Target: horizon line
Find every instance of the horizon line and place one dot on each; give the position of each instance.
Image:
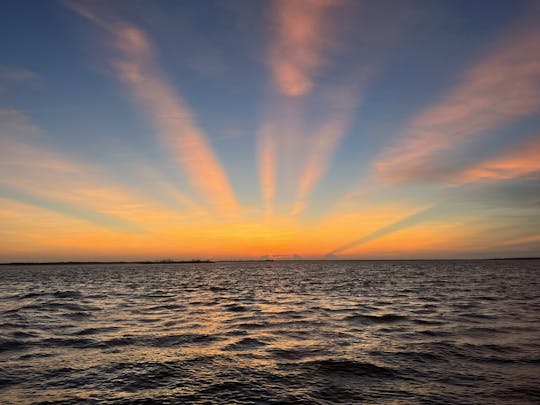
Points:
(209, 261)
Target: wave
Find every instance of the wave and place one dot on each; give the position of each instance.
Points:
(374, 319)
(245, 344)
(350, 367)
(7, 345)
(284, 333)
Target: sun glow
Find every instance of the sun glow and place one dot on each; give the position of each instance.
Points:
(299, 131)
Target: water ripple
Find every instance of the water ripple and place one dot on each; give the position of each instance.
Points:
(269, 333)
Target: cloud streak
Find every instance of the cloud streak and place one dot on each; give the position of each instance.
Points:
(421, 216)
(136, 66)
(295, 54)
(297, 51)
(267, 168)
(502, 88)
(72, 210)
(323, 143)
(41, 176)
(17, 74)
(520, 161)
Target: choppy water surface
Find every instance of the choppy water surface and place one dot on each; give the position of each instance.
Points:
(272, 332)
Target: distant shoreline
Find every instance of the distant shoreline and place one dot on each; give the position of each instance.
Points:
(106, 262)
(68, 263)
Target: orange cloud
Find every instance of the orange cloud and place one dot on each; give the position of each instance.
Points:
(304, 151)
(164, 187)
(136, 66)
(278, 138)
(171, 115)
(411, 220)
(305, 32)
(267, 165)
(322, 144)
(42, 176)
(521, 161)
(495, 92)
(295, 54)
(435, 239)
(300, 39)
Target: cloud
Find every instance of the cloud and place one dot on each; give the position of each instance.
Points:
(323, 143)
(295, 53)
(310, 116)
(136, 66)
(420, 216)
(522, 160)
(14, 124)
(72, 210)
(164, 187)
(40, 176)
(504, 188)
(298, 46)
(502, 88)
(267, 167)
(302, 149)
(17, 74)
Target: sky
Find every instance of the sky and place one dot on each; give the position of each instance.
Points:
(280, 129)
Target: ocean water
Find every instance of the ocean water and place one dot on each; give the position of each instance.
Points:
(429, 332)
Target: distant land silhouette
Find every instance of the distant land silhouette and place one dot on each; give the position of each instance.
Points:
(107, 262)
(62, 263)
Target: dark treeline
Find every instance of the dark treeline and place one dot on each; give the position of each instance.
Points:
(106, 262)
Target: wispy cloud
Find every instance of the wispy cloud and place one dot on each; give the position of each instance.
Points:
(69, 209)
(298, 47)
(502, 88)
(418, 217)
(296, 52)
(323, 143)
(41, 176)
(136, 66)
(522, 160)
(480, 192)
(267, 167)
(166, 188)
(17, 74)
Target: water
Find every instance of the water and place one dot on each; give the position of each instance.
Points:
(272, 332)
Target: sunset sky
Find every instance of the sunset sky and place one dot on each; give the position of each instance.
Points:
(269, 129)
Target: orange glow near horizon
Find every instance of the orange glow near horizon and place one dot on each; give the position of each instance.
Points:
(313, 129)
(160, 236)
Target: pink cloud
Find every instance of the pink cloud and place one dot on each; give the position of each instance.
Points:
(136, 65)
(323, 142)
(298, 47)
(499, 90)
(518, 162)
